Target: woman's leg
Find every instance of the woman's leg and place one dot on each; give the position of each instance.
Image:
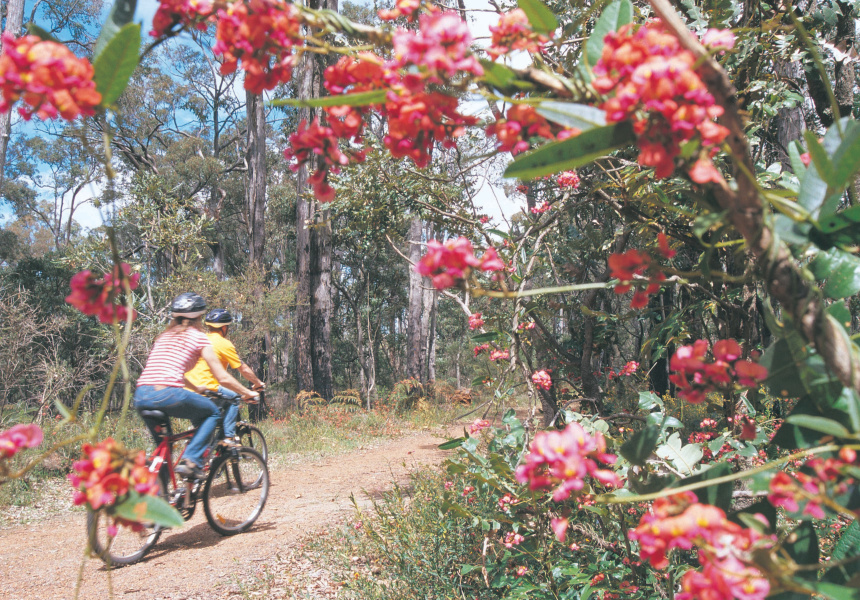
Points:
(184, 404)
(231, 411)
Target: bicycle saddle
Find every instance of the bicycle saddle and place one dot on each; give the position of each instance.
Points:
(153, 414)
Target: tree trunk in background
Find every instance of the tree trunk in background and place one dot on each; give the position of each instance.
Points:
(313, 248)
(14, 21)
(789, 122)
(428, 326)
(846, 33)
(414, 347)
(255, 204)
(321, 305)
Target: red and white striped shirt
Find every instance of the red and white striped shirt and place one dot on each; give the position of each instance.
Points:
(172, 355)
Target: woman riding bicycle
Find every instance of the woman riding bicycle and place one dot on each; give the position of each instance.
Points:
(161, 386)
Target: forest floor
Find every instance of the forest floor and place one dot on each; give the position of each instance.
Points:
(42, 560)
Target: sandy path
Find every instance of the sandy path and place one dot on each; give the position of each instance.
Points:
(41, 562)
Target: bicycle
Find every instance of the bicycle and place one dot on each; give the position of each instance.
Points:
(249, 435)
(233, 494)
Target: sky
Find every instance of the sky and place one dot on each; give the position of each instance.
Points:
(490, 198)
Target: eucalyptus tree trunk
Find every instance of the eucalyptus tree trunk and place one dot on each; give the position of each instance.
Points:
(414, 341)
(313, 247)
(14, 16)
(255, 205)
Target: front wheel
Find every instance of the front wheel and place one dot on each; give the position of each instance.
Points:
(252, 437)
(127, 546)
(236, 491)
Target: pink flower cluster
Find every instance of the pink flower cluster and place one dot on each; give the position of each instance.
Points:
(541, 208)
(825, 480)
(49, 79)
(19, 437)
(478, 425)
(500, 355)
(482, 348)
(475, 321)
(96, 295)
(512, 539)
(402, 8)
(440, 47)
(542, 380)
(107, 473)
(626, 371)
(528, 325)
(654, 82)
(520, 125)
(627, 266)
(514, 32)
(568, 179)
(695, 375)
(194, 13)
(725, 548)
(560, 460)
(318, 140)
(450, 263)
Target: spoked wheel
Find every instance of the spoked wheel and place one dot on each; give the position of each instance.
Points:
(231, 500)
(251, 437)
(127, 546)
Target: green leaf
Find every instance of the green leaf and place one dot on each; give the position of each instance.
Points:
(840, 312)
(648, 400)
(820, 424)
(485, 337)
(819, 156)
(614, 16)
(570, 114)
(148, 509)
(572, 152)
(831, 590)
(356, 99)
(717, 495)
(639, 447)
(762, 507)
(707, 221)
(802, 546)
(683, 458)
(848, 402)
(455, 509)
(840, 272)
(783, 373)
(116, 63)
(794, 152)
(33, 29)
(503, 78)
(451, 444)
(466, 569)
(63, 409)
(847, 547)
(815, 195)
(540, 17)
(120, 15)
(846, 159)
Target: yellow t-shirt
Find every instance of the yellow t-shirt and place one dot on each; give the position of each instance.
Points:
(226, 351)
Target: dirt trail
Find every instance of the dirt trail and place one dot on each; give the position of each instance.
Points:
(41, 562)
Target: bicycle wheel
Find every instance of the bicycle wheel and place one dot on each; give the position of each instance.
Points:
(251, 437)
(127, 546)
(230, 503)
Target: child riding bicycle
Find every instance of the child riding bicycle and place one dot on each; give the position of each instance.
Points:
(201, 377)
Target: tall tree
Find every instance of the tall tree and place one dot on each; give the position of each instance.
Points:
(14, 15)
(313, 248)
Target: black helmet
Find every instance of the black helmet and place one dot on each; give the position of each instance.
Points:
(188, 305)
(218, 317)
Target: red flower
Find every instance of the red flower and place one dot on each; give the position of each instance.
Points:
(560, 460)
(514, 32)
(521, 123)
(542, 380)
(19, 437)
(475, 321)
(261, 34)
(440, 48)
(449, 263)
(568, 179)
(49, 79)
(696, 376)
(96, 296)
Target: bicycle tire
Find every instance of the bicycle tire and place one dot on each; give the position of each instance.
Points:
(251, 437)
(127, 547)
(231, 505)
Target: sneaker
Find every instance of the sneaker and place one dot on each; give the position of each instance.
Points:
(232, 442)
(189, 470)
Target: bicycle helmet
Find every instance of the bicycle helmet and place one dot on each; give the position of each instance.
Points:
(188, 305)
(218, 317)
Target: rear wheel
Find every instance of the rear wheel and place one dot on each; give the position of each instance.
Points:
(125, 547)
(251, 437)
(236, 491)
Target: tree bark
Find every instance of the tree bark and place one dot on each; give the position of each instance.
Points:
(414, 346)
(321, 305)
(14, 21)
